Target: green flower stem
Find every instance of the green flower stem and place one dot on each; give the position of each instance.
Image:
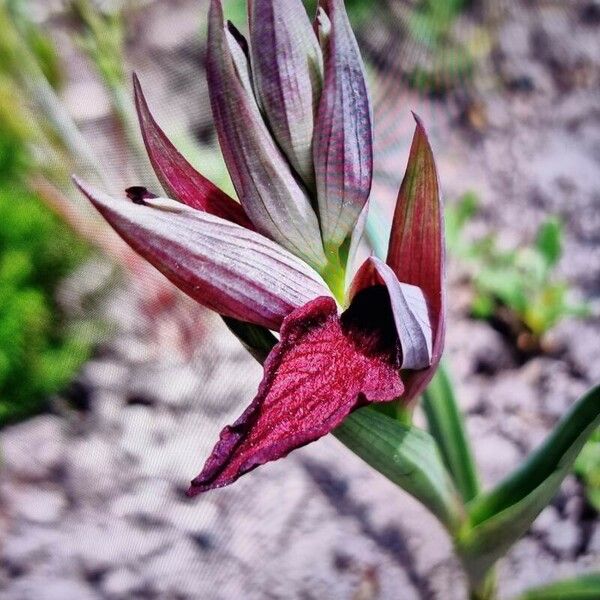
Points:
(487, 590)
(447, 426)
(334, 275)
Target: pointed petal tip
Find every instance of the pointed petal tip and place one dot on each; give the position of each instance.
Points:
(85, 188)
(417, 118)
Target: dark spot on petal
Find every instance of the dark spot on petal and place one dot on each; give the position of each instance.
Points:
(138, 194)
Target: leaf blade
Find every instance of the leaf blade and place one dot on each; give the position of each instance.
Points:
(501, 516)
(447, 426)
(584, 587)
(407, 456)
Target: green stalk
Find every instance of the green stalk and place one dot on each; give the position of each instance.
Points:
(446, 425)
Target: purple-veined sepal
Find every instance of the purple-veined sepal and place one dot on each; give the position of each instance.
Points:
(408, 307)
(234, 271)
(287, 67)
(343, 136)
(274, 200)
(179, 179)
(416, 251)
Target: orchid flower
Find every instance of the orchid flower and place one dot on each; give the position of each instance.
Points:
(294, 123)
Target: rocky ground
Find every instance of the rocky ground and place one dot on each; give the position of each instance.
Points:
(91, 499)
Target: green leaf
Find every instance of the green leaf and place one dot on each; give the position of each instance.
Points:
(549, 241)
(587, 467)
(407, 456)
(500, 517)
(585, 587)
(447, 427)
(258, 340)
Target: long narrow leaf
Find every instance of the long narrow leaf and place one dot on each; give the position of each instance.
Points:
(585, 587)
(499, 518)
(446, 425)
(406, 455)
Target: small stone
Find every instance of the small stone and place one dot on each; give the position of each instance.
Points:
(496, 455)
(44, 588)
(192, 517)
(105, 374)
(175, 386)
(35, 504)
(92, 467)
(120, 583)
(564, 537)
(33, 449)
(86, 100)
(150, 500)
(594, 543)
(546, 520)
(103, 544)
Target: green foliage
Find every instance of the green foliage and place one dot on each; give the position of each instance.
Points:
(38, 352)
(585, 587)
(102, 39)
(446, 425)
(406, 455)
(498, 518)
(431, 24)
(521, 280)
(587, 467)
(358, 10)
(37, 41)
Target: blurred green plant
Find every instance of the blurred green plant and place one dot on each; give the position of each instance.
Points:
(358, 10)
(587, 468)
(35, 39)
(39, 351)
(516, 288)
(431, 24)
(584, 587)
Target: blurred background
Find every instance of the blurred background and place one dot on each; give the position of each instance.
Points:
(114, 386)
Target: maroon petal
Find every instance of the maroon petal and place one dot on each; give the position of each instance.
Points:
(416, 251)
(228, 268)
(179, 179)
(288, 70)
(268, 190)
(323, 368)
(409, 309)
(343, 145)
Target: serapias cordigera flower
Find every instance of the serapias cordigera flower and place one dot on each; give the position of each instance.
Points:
(294, 123)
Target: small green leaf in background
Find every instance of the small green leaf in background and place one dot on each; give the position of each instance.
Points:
(587, 468)
(585, 587)
(549, 241)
